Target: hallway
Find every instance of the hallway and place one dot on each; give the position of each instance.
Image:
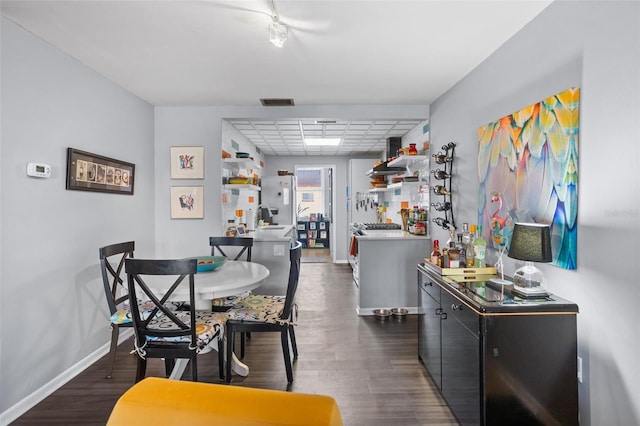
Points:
(370, 367)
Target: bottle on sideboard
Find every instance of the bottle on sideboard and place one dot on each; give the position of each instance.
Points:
(479, 249)
(441, 222)
(445, 257)
(436, 256)
(454, 253)
(463, 252)
(467, 239)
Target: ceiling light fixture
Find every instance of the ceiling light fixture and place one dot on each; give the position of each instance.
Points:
(278, 32)
(322, 141)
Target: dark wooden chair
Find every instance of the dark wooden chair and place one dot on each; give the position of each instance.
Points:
(258, 313)
(165, 333)
(218, 247)
(112, 259)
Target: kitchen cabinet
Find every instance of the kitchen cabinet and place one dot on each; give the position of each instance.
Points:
(496, 358)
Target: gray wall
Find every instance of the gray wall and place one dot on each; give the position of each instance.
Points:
(596, 46)
(52, 309)
(201, 126)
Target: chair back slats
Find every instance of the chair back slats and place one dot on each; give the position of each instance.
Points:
(112, 276)
(172, 326)
(295, 253)
(217, 243)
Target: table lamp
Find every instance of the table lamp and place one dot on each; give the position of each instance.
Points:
(530, 242)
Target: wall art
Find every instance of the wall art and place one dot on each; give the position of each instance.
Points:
(528, 172)
(93, 172)
(187, 162)
(187, 202)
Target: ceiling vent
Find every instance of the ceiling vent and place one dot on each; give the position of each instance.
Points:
(277, 102)
(326, 121)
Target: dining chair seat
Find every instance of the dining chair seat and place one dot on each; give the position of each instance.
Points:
(209, 325)
(256, 307)
(123, 316)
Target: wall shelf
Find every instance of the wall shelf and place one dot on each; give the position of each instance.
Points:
(408, 160)
(240, 186)
(246, 163)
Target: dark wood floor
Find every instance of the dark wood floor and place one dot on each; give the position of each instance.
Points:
(370, 367)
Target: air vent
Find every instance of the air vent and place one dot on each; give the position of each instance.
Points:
(277, 102)
(326, 121)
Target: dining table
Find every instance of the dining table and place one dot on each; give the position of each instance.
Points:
(232, 278)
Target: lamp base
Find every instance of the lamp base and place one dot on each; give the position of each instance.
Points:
(529, 292)
(528, 281)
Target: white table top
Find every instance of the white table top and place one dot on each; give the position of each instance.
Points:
(232, 278)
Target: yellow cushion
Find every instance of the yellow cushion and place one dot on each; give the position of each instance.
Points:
(156, 401)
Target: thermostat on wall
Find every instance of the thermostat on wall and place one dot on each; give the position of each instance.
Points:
(38, 170)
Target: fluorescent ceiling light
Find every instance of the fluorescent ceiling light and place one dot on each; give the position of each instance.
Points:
(322, 141)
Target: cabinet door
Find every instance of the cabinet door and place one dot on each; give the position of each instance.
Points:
(460, 360)
(429, 343)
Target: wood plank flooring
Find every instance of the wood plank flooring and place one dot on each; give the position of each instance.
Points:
(370, 367)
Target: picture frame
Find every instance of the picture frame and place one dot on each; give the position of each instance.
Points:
(87, 171)
(187, 162)
(301, 227)
(241, 229)
(312, 225)
(322, 225)
(187, 202)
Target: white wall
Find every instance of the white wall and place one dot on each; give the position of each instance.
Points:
(53, 312)
(201, 126)
(596, 46)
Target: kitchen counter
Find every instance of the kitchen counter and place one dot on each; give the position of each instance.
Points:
(271, 233)
(389, 234)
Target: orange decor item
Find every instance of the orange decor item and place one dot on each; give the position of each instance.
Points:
(251, 198)
(225, 154)
(404, 204)
(412, 149)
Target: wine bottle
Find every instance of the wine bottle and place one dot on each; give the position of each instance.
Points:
(479, 249)
(441, 158)
(441, 190)
(440, 174)
(442, 222)
(462, 250)
(441, 207)
(436, 256)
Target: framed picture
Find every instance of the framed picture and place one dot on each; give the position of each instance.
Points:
(187, 202)
(93, 172)
(312, 225)
(187, 162)
(241, 230)
(323, 225)
(301, 227)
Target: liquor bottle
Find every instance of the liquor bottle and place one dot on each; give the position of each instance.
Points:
(454, 253)
(441, 158)
(440, 190)
(440, 174)
(479, 249)
(441, 207)
(463, 251)
(436, 256)
(467, 239)
(445, 258)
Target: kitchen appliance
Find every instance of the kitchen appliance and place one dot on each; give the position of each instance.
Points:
(278, 195)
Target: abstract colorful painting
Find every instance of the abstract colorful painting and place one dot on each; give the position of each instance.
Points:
(528, 171)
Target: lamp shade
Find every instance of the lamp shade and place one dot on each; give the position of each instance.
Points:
(531, 242)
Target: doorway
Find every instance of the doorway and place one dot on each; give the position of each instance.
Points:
(315, 201)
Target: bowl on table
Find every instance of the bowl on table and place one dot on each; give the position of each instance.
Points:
(209, 263)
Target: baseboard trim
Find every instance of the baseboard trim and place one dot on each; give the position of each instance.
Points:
(30, 401)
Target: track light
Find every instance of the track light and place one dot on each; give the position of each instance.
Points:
(278, 32)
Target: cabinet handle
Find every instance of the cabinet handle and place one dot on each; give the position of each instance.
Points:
(430, 284)
(438, 311)
(443, 316)
(454, 307)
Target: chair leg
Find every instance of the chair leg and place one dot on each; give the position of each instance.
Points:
(292, 335)
(141, 369)
(194, 368)
(115, 332)
(284, 337)
(169, 363)
(221, 356)
(229, 351)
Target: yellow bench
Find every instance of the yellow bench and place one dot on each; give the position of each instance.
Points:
(158, 401)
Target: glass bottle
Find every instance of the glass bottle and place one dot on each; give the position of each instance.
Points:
(436, 256)
(441, 207)
(467, 239)
(440, 190)
(454, 253)
(231, 230)
(462, 250)
(440, 174)
(441, 158)
(479, 249)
